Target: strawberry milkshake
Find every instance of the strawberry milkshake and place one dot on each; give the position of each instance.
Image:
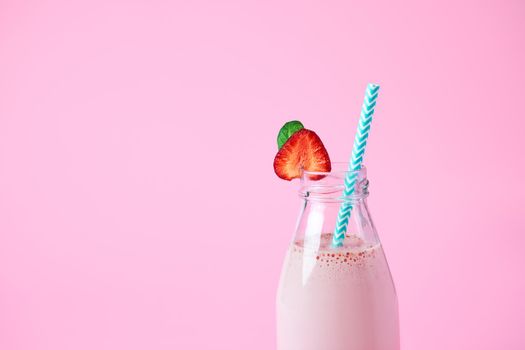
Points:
(336, 300)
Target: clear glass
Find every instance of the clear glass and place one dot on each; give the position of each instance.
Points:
(335, 298)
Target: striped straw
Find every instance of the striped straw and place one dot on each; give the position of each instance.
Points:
(358, 152)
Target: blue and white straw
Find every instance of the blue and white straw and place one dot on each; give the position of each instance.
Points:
(358, 152)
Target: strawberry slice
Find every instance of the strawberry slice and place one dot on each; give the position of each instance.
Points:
(304, 149)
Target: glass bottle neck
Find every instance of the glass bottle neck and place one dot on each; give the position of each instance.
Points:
(340, 185)
(323, 193)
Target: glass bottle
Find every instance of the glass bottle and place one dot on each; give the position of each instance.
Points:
(335, 298)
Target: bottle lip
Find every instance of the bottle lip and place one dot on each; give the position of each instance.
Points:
(338, 168)
(329, 186)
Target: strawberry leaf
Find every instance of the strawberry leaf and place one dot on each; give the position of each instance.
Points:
(288, 130)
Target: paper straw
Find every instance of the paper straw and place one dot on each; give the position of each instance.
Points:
(358, 152)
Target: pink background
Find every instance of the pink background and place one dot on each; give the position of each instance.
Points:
(138, 204)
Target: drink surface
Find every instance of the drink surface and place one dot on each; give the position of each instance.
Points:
(336, 298)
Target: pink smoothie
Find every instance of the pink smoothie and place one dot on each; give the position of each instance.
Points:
(336, 299)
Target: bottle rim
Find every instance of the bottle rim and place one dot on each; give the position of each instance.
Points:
(337, 168)
(329, 186)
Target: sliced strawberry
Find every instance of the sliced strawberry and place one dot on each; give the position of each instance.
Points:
(304, 149)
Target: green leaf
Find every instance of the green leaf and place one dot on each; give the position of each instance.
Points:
(288, 130)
